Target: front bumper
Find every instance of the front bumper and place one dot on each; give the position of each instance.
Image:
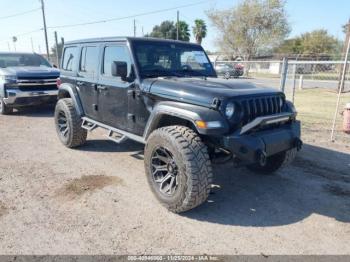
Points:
(257, 146)
(18, 98)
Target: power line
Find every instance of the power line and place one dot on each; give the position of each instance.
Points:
(130, 16)
(21, 34)
(18, 14)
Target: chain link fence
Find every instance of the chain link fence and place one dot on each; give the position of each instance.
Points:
(311, 84)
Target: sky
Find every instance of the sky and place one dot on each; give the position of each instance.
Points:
(303, 15)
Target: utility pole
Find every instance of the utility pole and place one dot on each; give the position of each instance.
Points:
(347, 37)
(45, 30)
(177, 25)
(341, 85)
(31, 41)
(8, 45)
(56, 42)
(134, 28)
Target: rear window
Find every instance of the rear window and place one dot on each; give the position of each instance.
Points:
(69, 58)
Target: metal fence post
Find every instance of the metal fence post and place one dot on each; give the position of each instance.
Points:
(294, 80)
(301, 80)
(284, 74)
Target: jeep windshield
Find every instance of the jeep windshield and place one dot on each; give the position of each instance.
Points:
(17, 59)
(159, 59)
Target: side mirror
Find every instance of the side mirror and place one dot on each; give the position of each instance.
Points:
(120, 69)
(54, 66)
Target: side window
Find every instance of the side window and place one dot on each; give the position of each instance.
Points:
(69, 58)
(89, 60)
(115, 53)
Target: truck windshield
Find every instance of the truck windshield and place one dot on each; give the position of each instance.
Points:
(9, 60)
(156, 59)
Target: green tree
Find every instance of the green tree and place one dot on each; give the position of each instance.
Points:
(165, 30)
(184, 31)
(251, 26)
(290, 46)
(316, 43)
(168, 30)
(199, 30)
(319, 42)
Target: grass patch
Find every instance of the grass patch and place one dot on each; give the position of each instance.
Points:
(316, 110)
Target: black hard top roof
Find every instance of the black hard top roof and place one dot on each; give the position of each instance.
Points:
(130, 39)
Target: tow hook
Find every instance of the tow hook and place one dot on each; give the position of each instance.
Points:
(261, 157)
(298, 144)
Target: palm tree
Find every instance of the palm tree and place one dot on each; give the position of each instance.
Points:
(199, 30)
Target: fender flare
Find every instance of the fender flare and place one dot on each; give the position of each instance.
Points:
(188, 112)
(71, 90)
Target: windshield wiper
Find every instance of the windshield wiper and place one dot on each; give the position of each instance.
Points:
(191, 72)
(161, 73)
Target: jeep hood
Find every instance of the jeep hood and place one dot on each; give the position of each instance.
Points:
(30, 71)
(202, 92)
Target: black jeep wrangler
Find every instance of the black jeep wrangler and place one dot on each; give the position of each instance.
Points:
(166, 95)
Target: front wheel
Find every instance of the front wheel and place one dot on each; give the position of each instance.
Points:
(178, 168)
(68, 124)
(275, 162)
(4, 109)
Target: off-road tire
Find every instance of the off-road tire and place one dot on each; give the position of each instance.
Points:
(194, 167)
(4, 109)
(76, 135)
(274, 163)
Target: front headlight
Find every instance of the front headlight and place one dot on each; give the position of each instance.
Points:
(9, 78)
(230, 110)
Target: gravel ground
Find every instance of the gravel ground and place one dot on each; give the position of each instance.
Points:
(96, 200)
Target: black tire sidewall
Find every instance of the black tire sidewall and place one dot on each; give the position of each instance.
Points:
(170, 144)
(62, 107)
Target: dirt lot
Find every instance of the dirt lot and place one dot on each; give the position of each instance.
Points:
(96, 200)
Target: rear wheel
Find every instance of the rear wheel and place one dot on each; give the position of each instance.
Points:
(68, 124)
(227, 75)
(4, 109)
(178, 168)
(275, 162)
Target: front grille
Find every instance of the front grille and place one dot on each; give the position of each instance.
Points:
(260, 106)
(37, 83)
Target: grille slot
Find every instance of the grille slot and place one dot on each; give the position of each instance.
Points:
(260, 106)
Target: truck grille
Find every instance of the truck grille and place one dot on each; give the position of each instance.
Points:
(37, 83)
(260, 106)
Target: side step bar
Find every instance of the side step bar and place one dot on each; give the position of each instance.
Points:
(114, 134)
